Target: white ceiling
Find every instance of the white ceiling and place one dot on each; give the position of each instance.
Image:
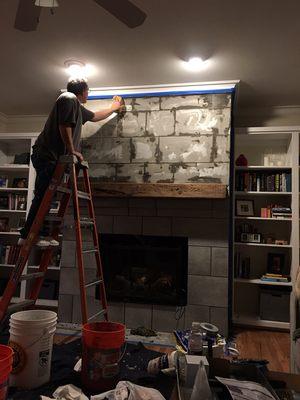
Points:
(256, 41)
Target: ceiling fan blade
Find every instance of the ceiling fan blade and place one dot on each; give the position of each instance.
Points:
(27, 17)
(124, 11)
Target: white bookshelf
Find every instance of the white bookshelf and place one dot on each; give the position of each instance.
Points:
(261, 147)
(10, 145)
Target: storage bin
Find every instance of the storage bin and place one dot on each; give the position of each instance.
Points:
(275, 304)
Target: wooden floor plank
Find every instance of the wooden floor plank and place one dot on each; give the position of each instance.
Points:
(264, 344)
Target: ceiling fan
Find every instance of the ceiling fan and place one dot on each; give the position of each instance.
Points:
(28, 12)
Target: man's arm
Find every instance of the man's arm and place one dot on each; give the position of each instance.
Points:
(66, 135)
(116, 105)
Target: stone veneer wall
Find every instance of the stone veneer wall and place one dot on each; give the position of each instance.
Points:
(163, 139)
(169, 139)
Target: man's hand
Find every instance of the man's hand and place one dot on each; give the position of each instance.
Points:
(78, 155)
(118, 104)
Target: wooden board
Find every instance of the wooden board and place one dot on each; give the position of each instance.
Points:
(183, 190)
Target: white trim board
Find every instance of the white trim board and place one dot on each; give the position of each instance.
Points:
(162, 88)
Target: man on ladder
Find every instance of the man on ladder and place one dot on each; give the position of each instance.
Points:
(55, 152)
(60, 136)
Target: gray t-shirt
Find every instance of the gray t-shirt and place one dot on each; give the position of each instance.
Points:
(67, 111)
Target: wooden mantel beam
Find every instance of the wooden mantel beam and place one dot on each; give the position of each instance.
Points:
(179, 190)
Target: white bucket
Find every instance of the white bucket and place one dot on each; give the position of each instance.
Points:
(31, 337)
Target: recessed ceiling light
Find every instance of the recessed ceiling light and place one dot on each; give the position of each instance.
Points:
(78, 69)
(46, 3)
(195, 63)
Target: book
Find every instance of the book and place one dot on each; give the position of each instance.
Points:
(281, 210)
(4, 202)
(3, 181)
(267, 279)
(263, 181)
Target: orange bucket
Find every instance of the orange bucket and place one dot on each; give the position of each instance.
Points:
(102, 352)
(6, 361)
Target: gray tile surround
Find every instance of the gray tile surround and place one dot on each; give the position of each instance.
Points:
(208, 251)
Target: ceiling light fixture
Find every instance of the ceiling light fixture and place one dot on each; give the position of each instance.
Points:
(46, 3)
(78, 69)
(195, 63)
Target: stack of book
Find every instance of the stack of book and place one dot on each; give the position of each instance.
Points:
(275, 278)
(276, 211)
(13, 202)
(282, 212)
(263, 182)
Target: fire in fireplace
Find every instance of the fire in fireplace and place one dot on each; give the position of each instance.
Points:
(145, 269)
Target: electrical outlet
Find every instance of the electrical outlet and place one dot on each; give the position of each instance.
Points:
(128, 107)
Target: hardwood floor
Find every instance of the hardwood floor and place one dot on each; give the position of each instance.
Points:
(257, 344)
(264, 344)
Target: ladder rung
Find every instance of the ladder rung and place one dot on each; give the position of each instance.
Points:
(90, 251)
(33, 275)
(63, 189)
(18, 306)
(98, 313)
(83, 195)
(93, 283)
(71, 159)
(86, 222)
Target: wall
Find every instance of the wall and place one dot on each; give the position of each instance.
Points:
(3, 122)
(22, 123)
(268, 116)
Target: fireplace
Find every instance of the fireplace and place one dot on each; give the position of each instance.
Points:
(145, 269)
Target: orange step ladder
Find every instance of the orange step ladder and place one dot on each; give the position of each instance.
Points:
(69, 190)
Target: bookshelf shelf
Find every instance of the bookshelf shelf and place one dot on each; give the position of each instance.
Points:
(263, 168)
(10, 233)
(288, 246)
(264, 219)
(257, 322)
(260, 282)
(13, 211)
(14, 167)
(262, 193)
(8, 189)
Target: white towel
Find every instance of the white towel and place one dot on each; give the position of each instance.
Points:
(67, 392)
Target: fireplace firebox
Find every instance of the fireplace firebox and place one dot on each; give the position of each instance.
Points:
(145, 269)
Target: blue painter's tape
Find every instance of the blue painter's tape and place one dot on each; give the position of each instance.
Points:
(160, 94)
